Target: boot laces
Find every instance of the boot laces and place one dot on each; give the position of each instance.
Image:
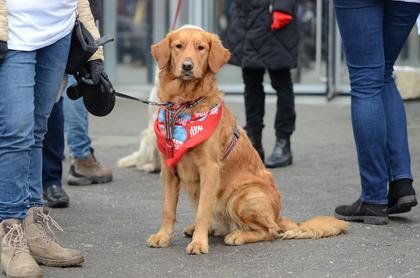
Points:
(47, 223)
(16, 238)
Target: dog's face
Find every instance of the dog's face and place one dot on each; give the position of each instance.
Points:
(189, 53)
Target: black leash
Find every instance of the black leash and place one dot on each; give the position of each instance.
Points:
(142, 100)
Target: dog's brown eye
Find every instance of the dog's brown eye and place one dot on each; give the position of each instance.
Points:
(179, 46)
(200, 47)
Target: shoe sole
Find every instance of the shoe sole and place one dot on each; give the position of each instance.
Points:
(278, 165)
(58, 263)
(373, 220)
(72, 180)
(404, 204)
(32, 276)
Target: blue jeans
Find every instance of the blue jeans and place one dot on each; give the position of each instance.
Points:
(373, 33)
(29, 84)
(76, 126)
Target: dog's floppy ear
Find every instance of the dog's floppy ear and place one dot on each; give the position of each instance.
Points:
(218, 55)
(161, 52)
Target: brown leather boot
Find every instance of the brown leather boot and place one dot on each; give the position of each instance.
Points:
(88, 171)
(16, 260)
(42, 243)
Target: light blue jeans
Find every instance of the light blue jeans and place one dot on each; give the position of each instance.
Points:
(76, 125)
(373, 33)
(29, 84)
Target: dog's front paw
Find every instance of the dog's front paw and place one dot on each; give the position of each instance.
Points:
(197, 247)
(235, 238)
(159, 240)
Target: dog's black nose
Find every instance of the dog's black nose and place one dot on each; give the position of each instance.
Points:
(187, 65)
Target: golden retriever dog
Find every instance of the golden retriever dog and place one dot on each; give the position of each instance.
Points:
(234, 196)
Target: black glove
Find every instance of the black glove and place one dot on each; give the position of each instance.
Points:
(3, 50)
(99, 99)
(96, 67)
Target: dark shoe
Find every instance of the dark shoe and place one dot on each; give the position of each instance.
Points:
(255, 136)
(401, 196)
(281, 156)
(88, 171)
(367, 213)
(56, 197)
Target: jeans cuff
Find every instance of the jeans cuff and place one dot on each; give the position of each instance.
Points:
(374, 202)
(402, 177)
(36, 204)
(83, 155)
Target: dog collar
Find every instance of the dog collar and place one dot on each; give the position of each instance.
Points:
(177, 132)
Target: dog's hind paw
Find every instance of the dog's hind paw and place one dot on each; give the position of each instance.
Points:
(159, 240)
(235, 238)
(189, 230)
(197, 247)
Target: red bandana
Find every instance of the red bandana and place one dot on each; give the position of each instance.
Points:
(187, 132)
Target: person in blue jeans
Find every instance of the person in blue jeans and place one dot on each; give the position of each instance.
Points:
(69, 117)
(373, 33)
(34, 46)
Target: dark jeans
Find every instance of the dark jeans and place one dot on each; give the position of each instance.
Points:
(373, 33)
(53, 151)
(255, 100)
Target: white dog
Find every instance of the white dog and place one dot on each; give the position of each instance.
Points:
(147, 157)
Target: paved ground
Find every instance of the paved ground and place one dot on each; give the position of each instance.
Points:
(111, 223)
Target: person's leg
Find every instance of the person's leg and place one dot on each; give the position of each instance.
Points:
(284, 124)
(53, 148)
(399, 18)
(254, 105)
(17, 74)
(76, 125)
(361, 27)
(52, 159)
(281, 81)
(50, 66)
(84, 169)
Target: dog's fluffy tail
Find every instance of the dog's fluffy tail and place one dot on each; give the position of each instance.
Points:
(317, 227)
(129, 160)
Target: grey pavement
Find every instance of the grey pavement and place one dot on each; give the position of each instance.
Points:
(110, 223)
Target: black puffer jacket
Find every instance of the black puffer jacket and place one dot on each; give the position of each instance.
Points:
(251, 41)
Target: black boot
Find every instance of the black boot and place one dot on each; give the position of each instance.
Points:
(281, 156)
(360, 211)
(255, 135)
(401, 196)
(55, 197)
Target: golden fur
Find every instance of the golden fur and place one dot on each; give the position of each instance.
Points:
(236, 197)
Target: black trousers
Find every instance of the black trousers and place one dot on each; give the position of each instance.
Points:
(53, 151)
(255, 100)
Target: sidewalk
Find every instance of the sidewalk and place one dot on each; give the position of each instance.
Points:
(112, 222)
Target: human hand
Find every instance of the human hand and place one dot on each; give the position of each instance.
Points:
(3, 50)
(280, 19)
(96, 67)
